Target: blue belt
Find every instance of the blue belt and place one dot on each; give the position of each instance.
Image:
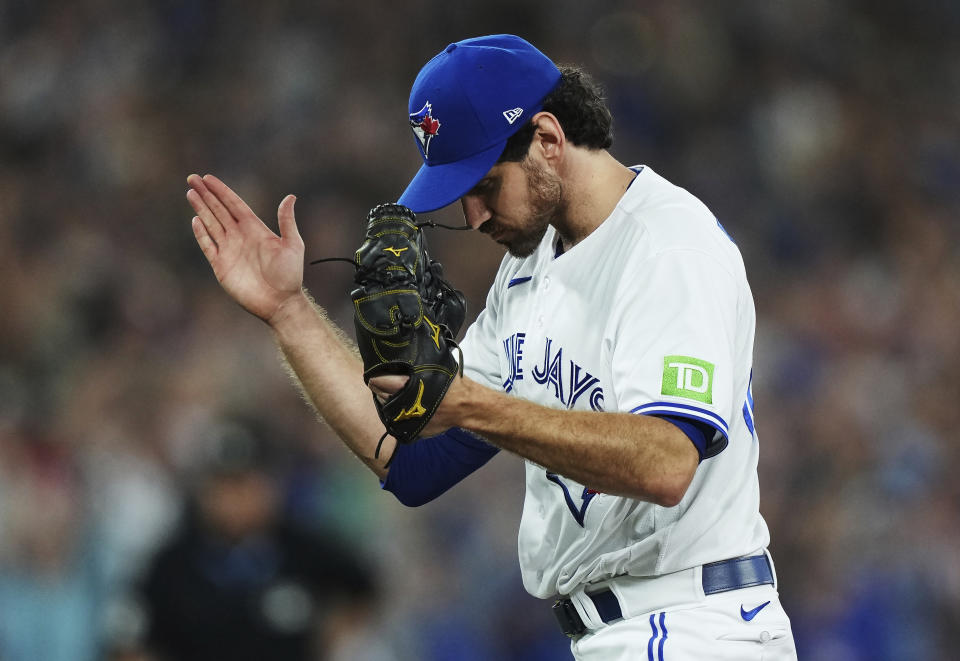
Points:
(723, 576)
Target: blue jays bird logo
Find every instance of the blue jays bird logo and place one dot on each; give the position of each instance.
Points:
(424, 126)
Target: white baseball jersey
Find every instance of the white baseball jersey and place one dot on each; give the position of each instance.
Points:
(650, 314)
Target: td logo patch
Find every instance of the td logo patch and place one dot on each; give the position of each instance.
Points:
(691, 378)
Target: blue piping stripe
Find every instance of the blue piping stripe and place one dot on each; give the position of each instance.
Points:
(653, 625)
(518, 281)
(671, 407)
(663, 628)
(748, 406)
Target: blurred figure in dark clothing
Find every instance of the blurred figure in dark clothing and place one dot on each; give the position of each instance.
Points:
(239, 581)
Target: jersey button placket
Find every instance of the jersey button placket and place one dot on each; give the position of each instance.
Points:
(542, 300)
(535, 319)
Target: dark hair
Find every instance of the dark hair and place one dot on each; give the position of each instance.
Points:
(577, 102)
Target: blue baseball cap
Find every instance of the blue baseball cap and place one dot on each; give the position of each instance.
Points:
(464, 105)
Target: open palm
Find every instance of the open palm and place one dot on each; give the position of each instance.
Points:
(257, 268)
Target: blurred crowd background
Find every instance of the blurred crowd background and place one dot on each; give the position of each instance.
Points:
(148, 429)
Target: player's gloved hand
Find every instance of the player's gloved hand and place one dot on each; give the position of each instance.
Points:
(406, 318)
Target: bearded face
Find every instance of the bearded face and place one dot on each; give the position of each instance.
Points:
(545, 204)
(528, 199)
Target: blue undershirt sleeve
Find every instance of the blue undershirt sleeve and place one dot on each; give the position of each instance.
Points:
(421, 471)
(708, 440)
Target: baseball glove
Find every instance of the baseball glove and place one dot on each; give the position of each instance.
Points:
(406, 318)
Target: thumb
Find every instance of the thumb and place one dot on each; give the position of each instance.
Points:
(285, 219)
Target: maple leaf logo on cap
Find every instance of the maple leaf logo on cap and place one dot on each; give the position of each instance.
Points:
(425, 127)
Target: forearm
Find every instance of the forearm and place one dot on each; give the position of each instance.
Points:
(329, 373)
(631, 455)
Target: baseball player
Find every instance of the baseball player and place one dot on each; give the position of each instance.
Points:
(614, 355)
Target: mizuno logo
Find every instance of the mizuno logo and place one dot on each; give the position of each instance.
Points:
(396, 251)
(750, 614)
(434, 332)
(513, 114)
(417, 411)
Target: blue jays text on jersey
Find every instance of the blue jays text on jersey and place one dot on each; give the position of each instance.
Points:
(568, 380)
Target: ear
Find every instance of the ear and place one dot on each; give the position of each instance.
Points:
(548, 137)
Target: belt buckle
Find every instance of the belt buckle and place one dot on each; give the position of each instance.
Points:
(569, 618)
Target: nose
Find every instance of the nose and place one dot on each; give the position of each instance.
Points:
(475, 210)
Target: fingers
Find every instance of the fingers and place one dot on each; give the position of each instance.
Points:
(207, 245)
(220, 210)
(209, 208)
(214, 228)
(381, 394)
(387, 385)
(235, 207)
(286, 221)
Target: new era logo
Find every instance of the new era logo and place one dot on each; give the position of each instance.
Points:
(513, 114)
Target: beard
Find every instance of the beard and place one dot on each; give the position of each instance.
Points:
(546, 205)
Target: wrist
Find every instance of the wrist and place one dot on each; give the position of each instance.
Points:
(467, 403)
(291, 312)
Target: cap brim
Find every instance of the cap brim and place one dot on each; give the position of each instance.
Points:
(436, 186)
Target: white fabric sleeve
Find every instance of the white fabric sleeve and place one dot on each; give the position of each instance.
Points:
(673, 339)
(481, 359)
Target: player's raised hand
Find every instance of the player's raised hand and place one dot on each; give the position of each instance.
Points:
(259, 269)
